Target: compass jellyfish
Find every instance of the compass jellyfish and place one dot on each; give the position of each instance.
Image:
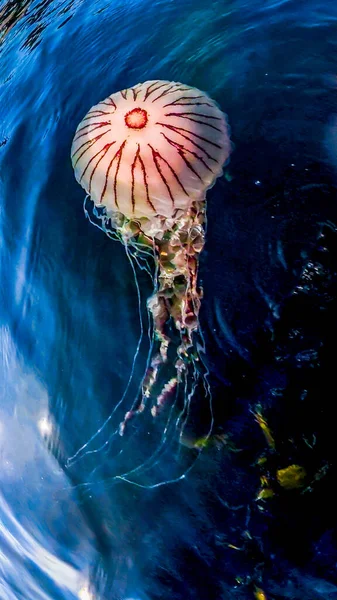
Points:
(146, 157)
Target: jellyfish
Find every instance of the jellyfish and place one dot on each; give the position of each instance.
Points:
(146, 157)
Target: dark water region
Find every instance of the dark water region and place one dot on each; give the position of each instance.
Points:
(255, 517)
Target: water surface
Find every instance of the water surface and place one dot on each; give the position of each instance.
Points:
(69, 308)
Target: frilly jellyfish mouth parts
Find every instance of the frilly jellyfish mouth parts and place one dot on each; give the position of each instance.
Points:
(146, 157)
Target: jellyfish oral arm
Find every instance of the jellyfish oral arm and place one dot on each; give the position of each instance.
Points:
(174, 305)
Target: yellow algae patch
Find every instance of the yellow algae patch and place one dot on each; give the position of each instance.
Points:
(261, 421)
(266, 491)
(265, 494)
(219, 441)
(259, 594)
(292, 477)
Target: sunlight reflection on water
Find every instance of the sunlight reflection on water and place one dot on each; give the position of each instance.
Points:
(26, 469)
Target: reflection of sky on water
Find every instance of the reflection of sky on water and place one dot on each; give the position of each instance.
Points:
(34, 490)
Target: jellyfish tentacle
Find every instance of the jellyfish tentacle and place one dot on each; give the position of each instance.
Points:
(84, 449)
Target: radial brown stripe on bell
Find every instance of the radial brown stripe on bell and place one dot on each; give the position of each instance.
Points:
(133, 166)
(90, 161)
(158, 167)
(150, 89)
(119, 156)
(170, 167)
(84, 130)
(193, 142)
(88, 147)
(146, 185)
(182, 152)
(200, 137)
(107, 176)
(178, 101)
(109, 102)
(95, 114)
(169, 90)
(105, 150)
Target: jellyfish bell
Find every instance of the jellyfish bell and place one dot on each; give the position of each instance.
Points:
(146, 157)
(151, 151)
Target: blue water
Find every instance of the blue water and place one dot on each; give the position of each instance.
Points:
(69, 308)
